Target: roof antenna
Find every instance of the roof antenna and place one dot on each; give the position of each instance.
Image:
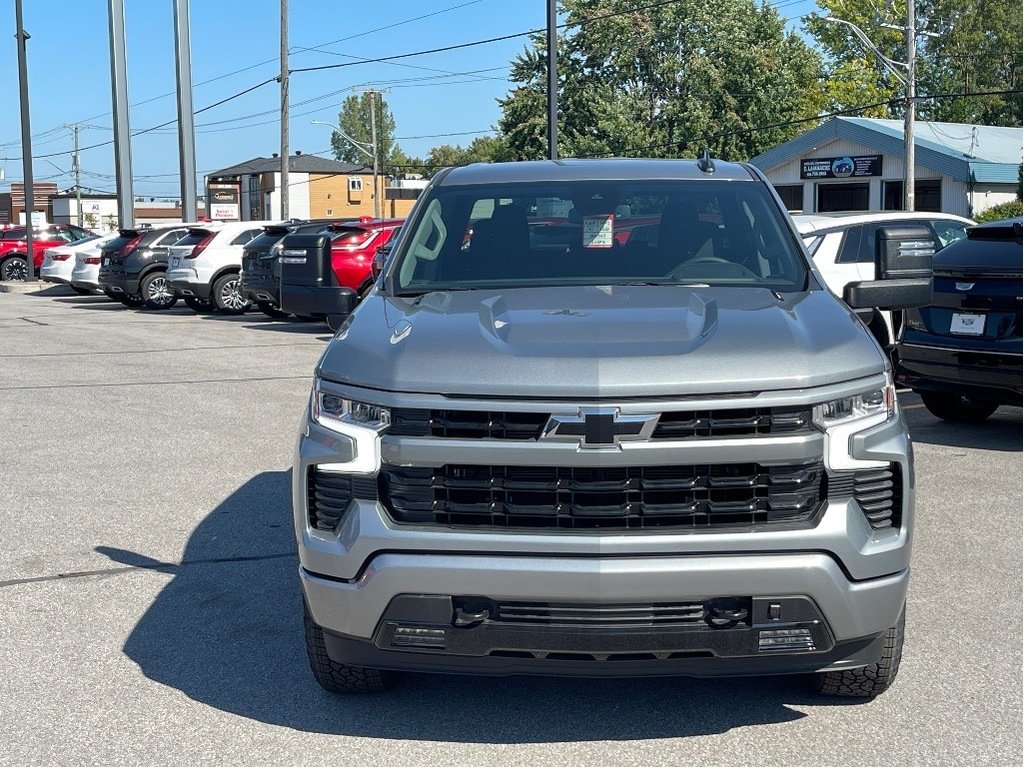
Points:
(705, 163)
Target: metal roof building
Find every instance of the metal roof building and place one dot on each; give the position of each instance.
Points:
(856, 163)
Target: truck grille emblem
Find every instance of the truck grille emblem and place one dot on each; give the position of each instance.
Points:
(600, 427)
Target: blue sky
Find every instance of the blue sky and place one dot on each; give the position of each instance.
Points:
(69, 77)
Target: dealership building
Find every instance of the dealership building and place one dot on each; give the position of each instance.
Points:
(856, 164)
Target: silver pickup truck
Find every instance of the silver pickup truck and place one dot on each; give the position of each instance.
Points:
(603, 418)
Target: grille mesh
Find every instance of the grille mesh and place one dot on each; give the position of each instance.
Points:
(693, 496)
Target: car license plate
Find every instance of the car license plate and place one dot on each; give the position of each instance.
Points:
(175, 260)
(967, 324)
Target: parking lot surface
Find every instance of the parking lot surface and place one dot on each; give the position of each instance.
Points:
(150, 608)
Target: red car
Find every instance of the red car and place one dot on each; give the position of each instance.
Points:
(307, 289)
(14, 249)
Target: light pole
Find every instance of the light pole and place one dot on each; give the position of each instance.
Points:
(370, 150)
(904, 72)
(26, 137)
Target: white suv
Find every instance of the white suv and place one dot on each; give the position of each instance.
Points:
(843, 248)
(203, 266)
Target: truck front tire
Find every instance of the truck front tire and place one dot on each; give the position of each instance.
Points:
(870, 681)
(334, 676)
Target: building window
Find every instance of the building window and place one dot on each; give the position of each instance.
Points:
(355, 184)
(927, 195)
(330, 211)
(842, 197)
(792, 196)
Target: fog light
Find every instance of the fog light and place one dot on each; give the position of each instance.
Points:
(784, 640)
(420, 637)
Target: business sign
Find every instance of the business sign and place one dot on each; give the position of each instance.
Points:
(223, 203)
(224, 211)
(841, 167)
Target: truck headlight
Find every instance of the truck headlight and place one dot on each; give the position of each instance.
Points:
(866, 405)
(361, 422)
(842, 418)
(332, 411)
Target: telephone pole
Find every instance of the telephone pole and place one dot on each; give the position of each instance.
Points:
(26, 138)
(376, 154)
(76, 168)
(284, 110)
(904, 72)
(908, 117)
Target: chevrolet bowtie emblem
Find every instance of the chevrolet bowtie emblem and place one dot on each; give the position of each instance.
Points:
(600, 427)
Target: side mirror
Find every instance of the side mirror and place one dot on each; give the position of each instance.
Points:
(903, 271)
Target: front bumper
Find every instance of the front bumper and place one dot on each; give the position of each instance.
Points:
(993, 375)
(375, 616)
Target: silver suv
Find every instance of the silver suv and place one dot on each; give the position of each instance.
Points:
(604, 418)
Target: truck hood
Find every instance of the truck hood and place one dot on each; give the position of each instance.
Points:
(594, 342)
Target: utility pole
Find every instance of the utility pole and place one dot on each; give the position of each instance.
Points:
(186, 122)
(908, 117)
(122, 127)
(76, 168)
(26, 138)
(552, 80)
(284, 110)
(373, 145)
(904, 72)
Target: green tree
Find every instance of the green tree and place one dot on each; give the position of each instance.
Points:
(354, 120)
(483, 149)
(975, 46)
(667, 81)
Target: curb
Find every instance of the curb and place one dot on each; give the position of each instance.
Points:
(33, 287)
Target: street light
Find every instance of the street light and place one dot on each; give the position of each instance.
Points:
(904, 72)
(370, 150)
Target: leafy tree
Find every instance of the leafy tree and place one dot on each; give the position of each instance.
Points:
(354, 120)
(665, 81)
(976, 46)
(483, 149)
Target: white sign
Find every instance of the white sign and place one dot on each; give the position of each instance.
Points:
(598, 231)
(224, 211)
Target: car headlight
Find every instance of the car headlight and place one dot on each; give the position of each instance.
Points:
(339, 413)
(866, 405)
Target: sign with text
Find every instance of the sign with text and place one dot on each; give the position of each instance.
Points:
(843, 167)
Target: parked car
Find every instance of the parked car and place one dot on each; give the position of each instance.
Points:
(260, 278)
(204, 265)
(59, 261)
(85, 276)
(680, 456)
(334, 288)
(843, 248)
(963, 352)
(134, 266)
(14, 248)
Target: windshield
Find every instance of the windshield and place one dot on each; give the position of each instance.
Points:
(599, 233)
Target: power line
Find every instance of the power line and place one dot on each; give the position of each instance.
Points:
(489, 40)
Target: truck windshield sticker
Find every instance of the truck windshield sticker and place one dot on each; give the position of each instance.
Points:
(598, 231)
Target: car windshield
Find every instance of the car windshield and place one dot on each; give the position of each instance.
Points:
(599, 233)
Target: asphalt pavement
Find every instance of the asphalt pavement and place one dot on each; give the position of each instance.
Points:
(150, 609)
